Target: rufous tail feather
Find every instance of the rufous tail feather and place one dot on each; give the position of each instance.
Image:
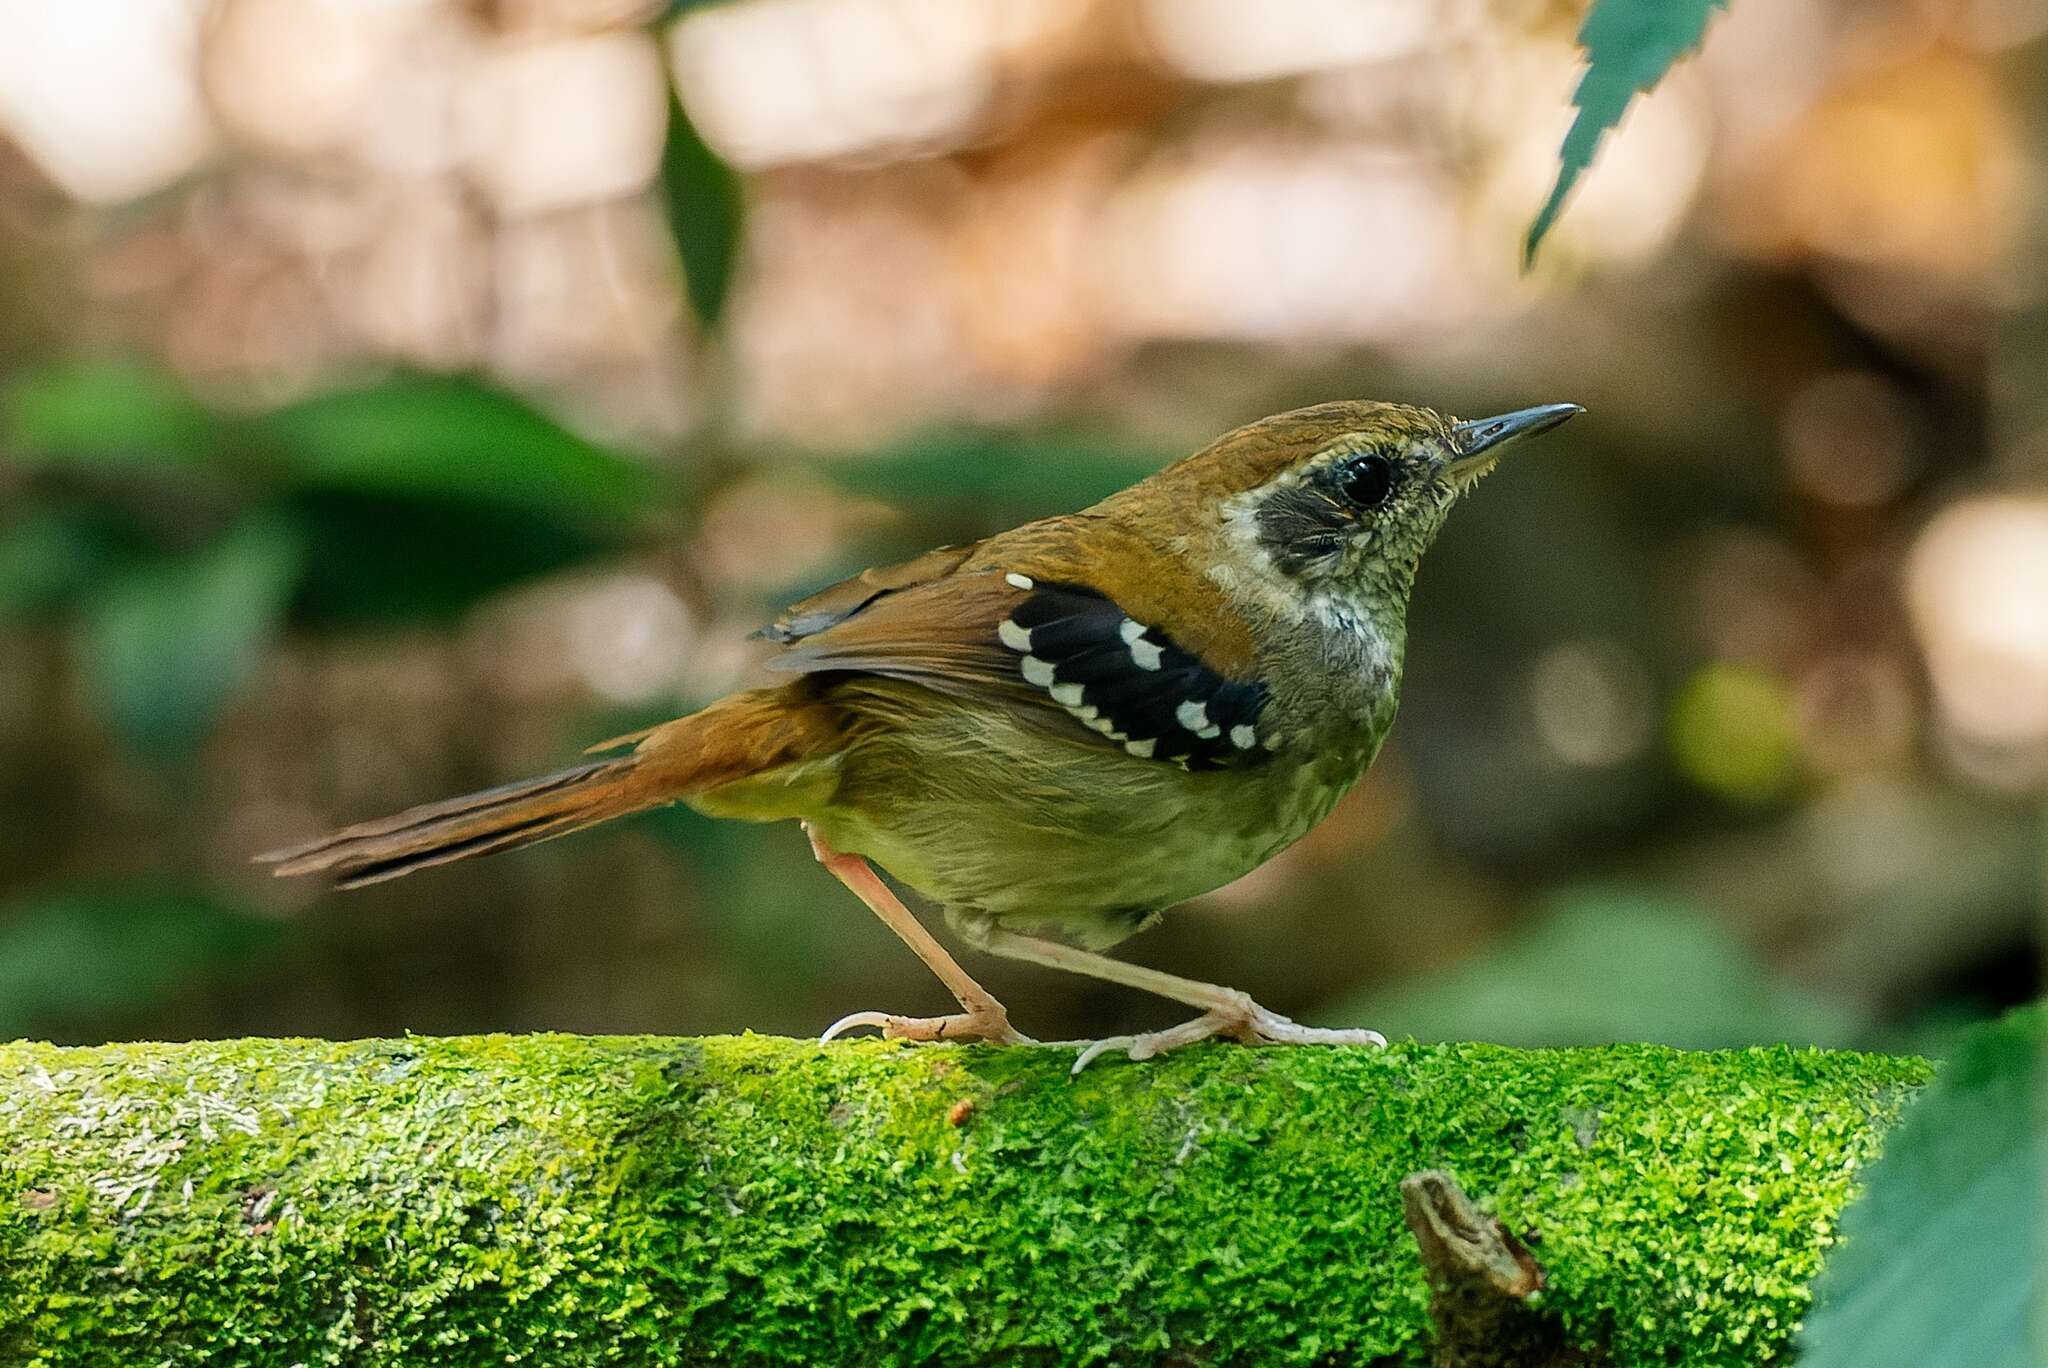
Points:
(734, 739)
(475, 824)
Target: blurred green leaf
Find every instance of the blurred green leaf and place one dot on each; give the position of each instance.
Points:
(374, 559)
(1937, 1031)
(413, 434)
(1609, 965)
(86, 959)
(418, 495)
(1943, 1262)
(671, 8)
(706, 211)
(1015, 475)
(98, 412)
(167, 644)
(1629, 45)
(47, 558)
(448, 436)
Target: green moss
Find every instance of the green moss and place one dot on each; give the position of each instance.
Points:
(565, 1200)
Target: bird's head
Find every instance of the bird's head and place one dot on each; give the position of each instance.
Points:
(1342, 499)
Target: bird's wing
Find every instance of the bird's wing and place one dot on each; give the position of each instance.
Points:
(1061, 654)
(837, 602)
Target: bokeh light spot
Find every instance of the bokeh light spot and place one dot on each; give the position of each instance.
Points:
(1732, 732)
(1851, 438)
(1977, 586)
(1592, 702)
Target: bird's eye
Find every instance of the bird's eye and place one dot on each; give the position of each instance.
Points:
(1367, 481)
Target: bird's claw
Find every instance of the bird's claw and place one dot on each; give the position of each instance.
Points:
(989, 1026)
(1253, 1025)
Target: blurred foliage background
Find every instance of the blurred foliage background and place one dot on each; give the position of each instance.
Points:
(397, 396)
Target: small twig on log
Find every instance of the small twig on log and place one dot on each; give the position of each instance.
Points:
(1480, 1279)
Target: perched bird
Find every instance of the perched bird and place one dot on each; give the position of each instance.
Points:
(1059, 732)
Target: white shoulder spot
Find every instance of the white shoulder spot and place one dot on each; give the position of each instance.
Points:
(1017, 581)
(1145, 654)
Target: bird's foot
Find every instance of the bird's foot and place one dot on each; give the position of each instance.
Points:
(984, 1025)
(1246, 1021)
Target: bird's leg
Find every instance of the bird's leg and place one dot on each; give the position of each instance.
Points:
(981, 1017)
(1226, 1011)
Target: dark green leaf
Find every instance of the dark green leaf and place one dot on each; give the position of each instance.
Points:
(413, 435)
(47, 558)
(375, 559)
(1629, 46)
(443, 436)
(1609, 965)
(671, 8)
(1012, 476)
(97, 412)
(83, 958)
(1942, 1261)
(168, 643)
(705, 207)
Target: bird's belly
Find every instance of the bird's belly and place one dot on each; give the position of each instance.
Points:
(1083, 841)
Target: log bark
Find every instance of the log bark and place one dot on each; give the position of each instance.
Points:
(568, 1200)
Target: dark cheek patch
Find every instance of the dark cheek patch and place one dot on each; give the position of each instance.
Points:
(1130, 684)
(1301, 526)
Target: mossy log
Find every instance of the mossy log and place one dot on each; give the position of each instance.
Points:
(565, 1200)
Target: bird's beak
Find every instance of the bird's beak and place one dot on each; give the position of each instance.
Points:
(1480, 440)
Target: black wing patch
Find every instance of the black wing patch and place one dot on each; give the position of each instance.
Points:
(1129, 682)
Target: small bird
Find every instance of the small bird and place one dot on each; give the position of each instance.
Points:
(1059, 732)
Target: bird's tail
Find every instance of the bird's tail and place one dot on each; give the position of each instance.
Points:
(745, 736)
(475, 824)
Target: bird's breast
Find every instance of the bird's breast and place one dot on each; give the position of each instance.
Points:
(1334, 675)
(989, 817)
